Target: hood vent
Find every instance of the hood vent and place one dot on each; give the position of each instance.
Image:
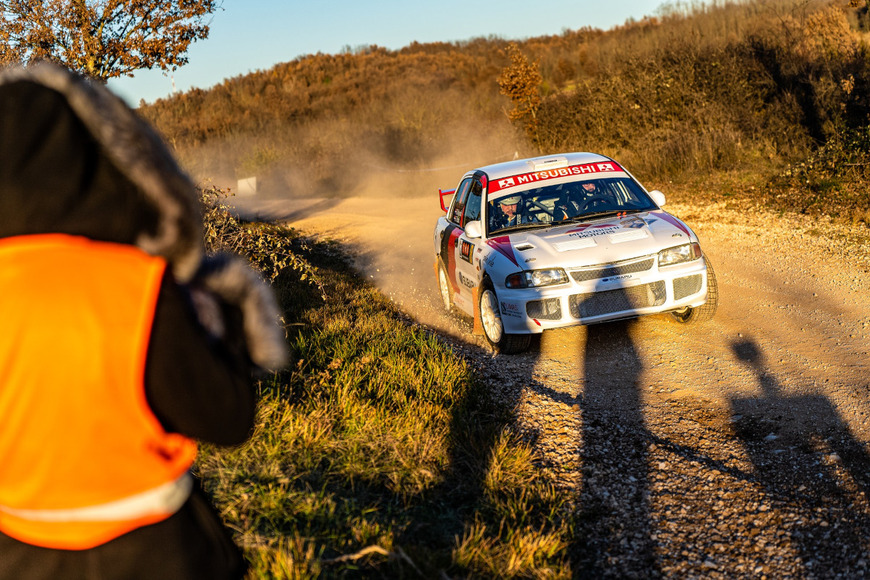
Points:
(575, 244)
(627, 236)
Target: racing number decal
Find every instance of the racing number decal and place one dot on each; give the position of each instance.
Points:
(466, 248)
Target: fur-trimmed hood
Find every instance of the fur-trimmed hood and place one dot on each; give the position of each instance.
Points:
(112, 163)
(75, 159)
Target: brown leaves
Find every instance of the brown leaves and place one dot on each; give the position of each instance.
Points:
(521, 83)
(102, 38)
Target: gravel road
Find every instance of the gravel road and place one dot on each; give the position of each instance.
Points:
(738, 448)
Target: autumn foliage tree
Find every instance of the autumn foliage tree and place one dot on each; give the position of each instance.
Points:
(102, 38)
(521, 82)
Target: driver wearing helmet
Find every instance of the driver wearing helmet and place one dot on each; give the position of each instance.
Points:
(507, 212)
(573, 201)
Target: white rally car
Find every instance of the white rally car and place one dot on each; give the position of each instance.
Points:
(555, 241)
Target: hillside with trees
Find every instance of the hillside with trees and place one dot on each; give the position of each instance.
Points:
(732, 95)
(386, 451)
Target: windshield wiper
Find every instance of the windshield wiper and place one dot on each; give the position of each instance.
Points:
(518, 227)
(599, 214)
(588, 216)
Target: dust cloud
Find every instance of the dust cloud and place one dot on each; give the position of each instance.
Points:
(383, 211)
(390, 241)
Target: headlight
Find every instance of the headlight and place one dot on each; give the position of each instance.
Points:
(535, 278)
(679, 254)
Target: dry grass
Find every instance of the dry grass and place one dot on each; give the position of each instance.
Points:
(378, 453)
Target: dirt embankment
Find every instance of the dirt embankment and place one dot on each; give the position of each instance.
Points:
(736, 448)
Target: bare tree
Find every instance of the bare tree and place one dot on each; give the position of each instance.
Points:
(102, 38)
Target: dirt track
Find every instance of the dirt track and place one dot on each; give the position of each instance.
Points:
(737, 448)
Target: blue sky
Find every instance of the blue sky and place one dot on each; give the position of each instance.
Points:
(250, 35)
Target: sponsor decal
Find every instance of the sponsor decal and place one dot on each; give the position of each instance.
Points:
(502, 245)
(465, 280)
(589, 231)
(511, 309)
(537, 176)
(465, 250)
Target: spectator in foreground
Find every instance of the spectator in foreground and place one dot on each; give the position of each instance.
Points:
(121, 345)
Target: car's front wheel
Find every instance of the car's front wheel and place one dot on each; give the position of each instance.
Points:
(704, 312)
(493, 329)
(444, 289)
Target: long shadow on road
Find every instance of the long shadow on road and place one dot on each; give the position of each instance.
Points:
(818, 472)
(613, 528)
(803, 493)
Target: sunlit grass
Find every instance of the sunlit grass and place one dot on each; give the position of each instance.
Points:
(379, 453)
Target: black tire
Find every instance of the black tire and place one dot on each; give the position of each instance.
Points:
(444, 288)
(493, 329)
(706, 311)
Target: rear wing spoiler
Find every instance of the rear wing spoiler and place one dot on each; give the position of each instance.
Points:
(442, 194)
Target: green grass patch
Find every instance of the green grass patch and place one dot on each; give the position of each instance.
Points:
(378, 452)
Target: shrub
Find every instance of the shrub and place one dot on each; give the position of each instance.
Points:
(832, 181)
(270, 248)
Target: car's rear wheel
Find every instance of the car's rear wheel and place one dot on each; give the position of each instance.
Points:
(444, 288)
(706, 311)
(493, 329)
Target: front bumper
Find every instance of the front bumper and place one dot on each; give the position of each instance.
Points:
(602, 293)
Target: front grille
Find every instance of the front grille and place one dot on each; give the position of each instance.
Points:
(619, 300)
(687, 286)
(609, 270)
(549, 309)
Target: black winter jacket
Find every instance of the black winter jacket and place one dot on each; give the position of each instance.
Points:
(75, 160)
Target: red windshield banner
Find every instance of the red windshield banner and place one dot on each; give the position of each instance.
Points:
(536, 176)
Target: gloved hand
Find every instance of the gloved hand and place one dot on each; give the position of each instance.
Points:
(226, 283)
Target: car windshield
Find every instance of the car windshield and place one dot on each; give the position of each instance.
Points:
(566, 202)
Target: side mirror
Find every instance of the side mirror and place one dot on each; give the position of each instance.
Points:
(658, 197)
(473, 229)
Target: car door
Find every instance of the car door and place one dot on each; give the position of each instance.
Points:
(448, 239)
(467, 248)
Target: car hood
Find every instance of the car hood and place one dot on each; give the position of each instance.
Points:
(594, 242)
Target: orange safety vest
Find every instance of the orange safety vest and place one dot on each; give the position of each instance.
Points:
(83, 459)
